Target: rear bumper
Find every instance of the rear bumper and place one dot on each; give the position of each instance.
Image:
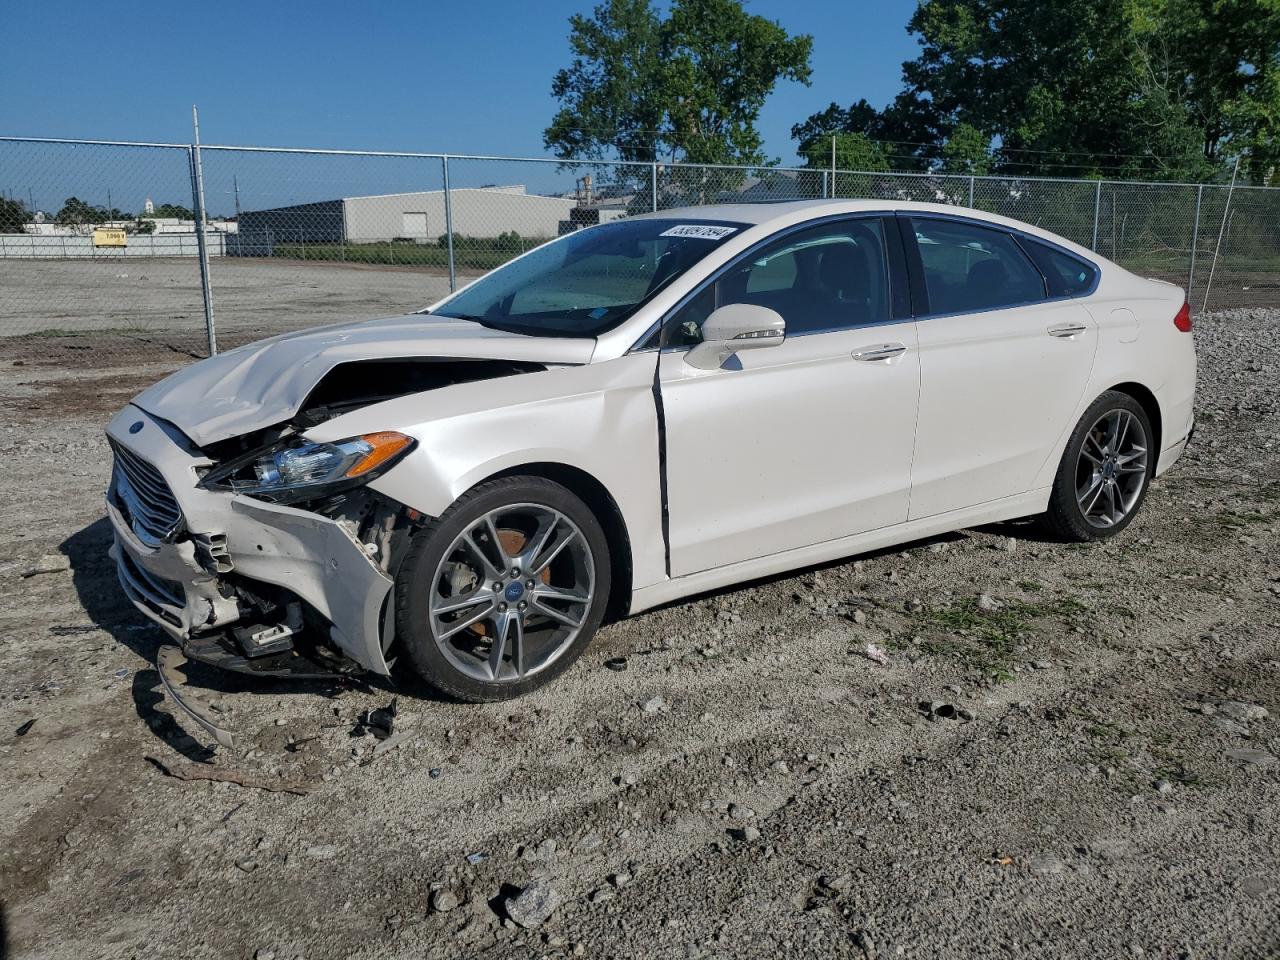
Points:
(1172, 453)
(188, 584)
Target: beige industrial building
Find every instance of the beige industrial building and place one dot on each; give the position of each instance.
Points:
(476, 211)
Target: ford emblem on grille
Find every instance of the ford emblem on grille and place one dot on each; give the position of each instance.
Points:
(135, 426)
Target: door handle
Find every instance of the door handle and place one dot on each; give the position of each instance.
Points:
(1067, 330)
(884, 351)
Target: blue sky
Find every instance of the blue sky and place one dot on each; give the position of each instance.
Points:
(393, 75)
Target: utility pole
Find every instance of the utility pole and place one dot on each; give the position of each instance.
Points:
(833, 165)
(235, 183)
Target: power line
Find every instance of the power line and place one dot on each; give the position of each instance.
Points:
(612, 137)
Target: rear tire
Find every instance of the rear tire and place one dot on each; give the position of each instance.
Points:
(502, 593)
(1105, 471)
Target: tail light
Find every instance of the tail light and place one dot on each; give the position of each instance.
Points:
(1183, 320)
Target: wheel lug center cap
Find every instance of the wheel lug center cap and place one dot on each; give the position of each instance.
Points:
(514, 591)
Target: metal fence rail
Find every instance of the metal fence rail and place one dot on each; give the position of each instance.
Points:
(295, 237)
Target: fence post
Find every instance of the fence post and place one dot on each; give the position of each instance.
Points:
(1195, 240)
(971, 190)
(197, 200)
(1097, 206)
(448, 223)
(653, 184)
(1221, 230)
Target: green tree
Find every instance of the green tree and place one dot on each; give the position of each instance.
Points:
(1160, 88)
(845, 135)
(851, 151)
(165, 211)
(688, 87)
(13, 215)
(966, 150)
(1226, 59)
(1053, 80)
(859, 117)
(75, 211)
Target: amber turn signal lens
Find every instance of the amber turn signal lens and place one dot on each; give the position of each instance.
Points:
(383, 446)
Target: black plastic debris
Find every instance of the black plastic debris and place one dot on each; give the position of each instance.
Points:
(379, 721)
(22, 730)
(617, 663)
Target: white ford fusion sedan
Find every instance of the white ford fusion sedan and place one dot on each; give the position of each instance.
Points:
(631, 414)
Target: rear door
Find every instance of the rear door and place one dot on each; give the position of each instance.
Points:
(806, 441)
(1004, 360)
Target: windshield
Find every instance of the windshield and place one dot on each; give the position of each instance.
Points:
(590, 281)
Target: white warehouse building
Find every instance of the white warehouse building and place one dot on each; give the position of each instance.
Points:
(477, 212)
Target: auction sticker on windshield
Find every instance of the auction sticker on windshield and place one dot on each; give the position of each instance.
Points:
(698, 231)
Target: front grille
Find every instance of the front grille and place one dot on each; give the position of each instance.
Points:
(158, 595)
(144, 497)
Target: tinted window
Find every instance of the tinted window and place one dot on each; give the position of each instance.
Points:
(1068, 276)
(828, 277)
(590, 281)
(969, 268)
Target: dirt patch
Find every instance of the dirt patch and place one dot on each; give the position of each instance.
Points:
(56, 399)
(94, 350)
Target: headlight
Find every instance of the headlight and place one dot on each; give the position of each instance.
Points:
(297, 468)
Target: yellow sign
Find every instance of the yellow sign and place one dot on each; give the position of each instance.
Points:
(107, 237)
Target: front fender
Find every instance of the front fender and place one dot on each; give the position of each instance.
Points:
(599, 418)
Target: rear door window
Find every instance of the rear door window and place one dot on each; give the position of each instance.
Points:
(969, 268)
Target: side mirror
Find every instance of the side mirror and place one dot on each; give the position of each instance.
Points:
(735, 327)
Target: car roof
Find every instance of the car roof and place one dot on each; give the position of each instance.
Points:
(788, 212)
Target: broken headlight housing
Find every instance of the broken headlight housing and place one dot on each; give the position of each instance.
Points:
(300, 469)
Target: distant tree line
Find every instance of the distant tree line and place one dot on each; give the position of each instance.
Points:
(14, 215)
(1159, 89)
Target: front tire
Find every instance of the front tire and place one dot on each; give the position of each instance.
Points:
(1105, 471)
(504, 591)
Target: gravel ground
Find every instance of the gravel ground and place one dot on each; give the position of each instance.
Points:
(139, 301)
(1094, 773)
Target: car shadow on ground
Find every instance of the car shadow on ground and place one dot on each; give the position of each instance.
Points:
(100, 594)
(94, 578)
(1027, 530)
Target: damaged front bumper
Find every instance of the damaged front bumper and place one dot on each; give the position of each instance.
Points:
(203, 577)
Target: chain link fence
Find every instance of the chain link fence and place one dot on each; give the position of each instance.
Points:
(100, 241)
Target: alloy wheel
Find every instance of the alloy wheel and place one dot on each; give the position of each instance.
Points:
(512, 592)
(1112, 468)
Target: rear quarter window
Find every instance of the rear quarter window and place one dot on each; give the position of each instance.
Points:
(1068, 276)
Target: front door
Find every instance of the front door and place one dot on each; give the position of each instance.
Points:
(806, 441)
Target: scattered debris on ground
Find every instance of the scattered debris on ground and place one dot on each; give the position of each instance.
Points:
(195, 771)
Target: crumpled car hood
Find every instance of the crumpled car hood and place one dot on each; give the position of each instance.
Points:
(266, 383)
